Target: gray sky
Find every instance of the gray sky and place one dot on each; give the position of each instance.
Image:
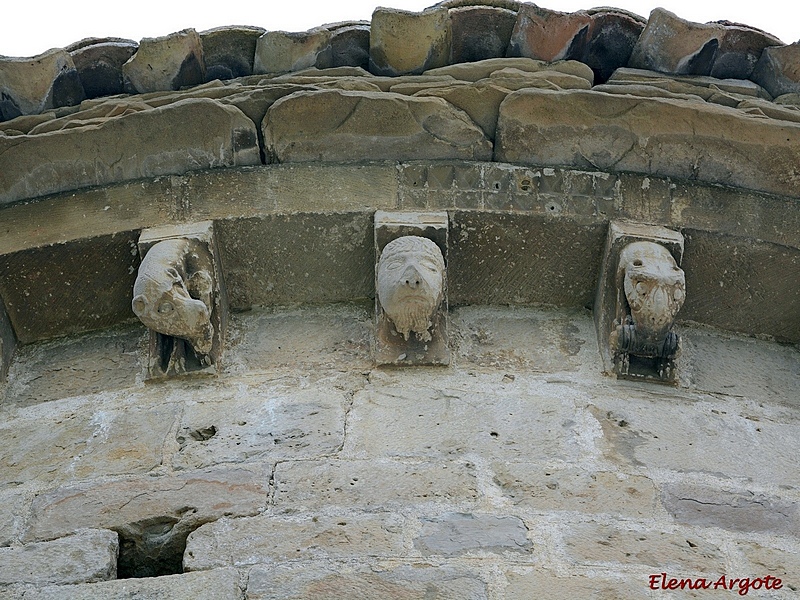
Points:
(30, 28)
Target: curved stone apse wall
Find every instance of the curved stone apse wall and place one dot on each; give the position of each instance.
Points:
(224, 374)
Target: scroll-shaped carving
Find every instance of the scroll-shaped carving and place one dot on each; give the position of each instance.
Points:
(640, 291)
(654, 290)
(172, 293)
(179, 296)
(411, 284)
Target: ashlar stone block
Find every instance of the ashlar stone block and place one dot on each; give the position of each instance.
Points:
(180, 296)
(411, 288)
(88, 556)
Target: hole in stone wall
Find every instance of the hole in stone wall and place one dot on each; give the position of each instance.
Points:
(154, 547)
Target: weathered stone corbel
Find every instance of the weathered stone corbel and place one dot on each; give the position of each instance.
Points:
(179, 295)
(8, 341)
(640, 290)
(411, 288)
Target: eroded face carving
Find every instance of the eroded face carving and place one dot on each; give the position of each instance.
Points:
(655, 287)
(411, 284)
(167, 293)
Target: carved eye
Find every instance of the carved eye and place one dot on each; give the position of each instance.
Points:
(641, 288)
(678, 294)
(430, 265)
(165, 308)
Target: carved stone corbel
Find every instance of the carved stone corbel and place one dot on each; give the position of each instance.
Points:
(179, 295)
(411, 288)
(640, 291)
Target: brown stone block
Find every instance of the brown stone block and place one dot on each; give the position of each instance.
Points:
(304, 257)
(546, 489)
(524, 585)
(90, 289)
(595, 544)
(523, 259)
(742, 285)
(320, 580)
(403, 42)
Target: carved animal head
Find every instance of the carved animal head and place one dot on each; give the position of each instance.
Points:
(411, 284)
(655, 287)
(163, 300)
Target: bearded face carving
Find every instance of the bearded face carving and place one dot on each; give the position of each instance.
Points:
(410, 284)
(655, 287)
(173, 291)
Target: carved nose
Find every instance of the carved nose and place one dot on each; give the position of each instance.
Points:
(411, 278)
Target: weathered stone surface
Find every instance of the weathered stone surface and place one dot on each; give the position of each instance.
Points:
(514, 79)
(480, 32)
(737, 511)
(84, 439)
(670, 44)
(314, 485)
(334, 338)
(257, 540)
(228, 52)
(690, 84)
(32, 85)
(772, 369)
(648, 135)
(317, 581)
(162, 141)
(792, 99)
(403, 42)
(107, 360)
(610, 41)
(520, 259)
(480, 101)
(282, 51)
(350, 46)
(778, 70)
(644, 431)
(89, 289)
(24, 123)
(645, 91)
(482, 69)
(269, 421)
(8, 342)
(269, 260)
(218, 584)
(333, 125)
(730, 263)
(778, 563)
(188, 500)
(99, 66)
(595, 544)
(166, 63)
(546, 489)
(88, 556)
(96, 115)
(439, 421)
(543, 584)
(548, 35)
(757, 106)
(458, 533)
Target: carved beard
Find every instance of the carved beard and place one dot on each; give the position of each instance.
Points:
(413, 316)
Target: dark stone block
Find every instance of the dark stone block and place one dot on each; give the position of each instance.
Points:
(229, 51)
(90, 289)
(611, 38)
(480, 32)
(99, 66)
(350, 46)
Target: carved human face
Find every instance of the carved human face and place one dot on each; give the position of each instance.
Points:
(163, 304)
(411, 284)
(655, 286)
